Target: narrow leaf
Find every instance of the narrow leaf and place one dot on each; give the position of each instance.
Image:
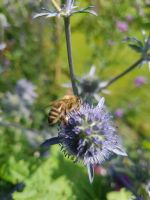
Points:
(90, 172)
(51, 15)
(101, 102)
(119, 151)
(85, 11)
(40, 15)
(136, 48)
(45, 14)
(134, 40)
(44, 147)
(51, 141)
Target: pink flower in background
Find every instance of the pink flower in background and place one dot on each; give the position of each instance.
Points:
(119, 112)
(140, 80)
(129, 18)
(122, 26)
(99, 170)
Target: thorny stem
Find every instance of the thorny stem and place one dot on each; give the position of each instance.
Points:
(69, 52)
(111, 81)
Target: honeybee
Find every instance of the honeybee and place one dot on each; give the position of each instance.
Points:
(60, 108)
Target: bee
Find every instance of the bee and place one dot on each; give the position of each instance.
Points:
(60, 108)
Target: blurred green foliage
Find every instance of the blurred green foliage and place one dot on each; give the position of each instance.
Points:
(35, 50)
(122, 194)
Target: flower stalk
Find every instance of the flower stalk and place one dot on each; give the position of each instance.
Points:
(129, 69)
(69, 53)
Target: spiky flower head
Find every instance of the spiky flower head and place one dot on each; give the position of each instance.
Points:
(90, 85)
(89, 135)
(66, 10)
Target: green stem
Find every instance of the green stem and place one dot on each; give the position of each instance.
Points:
(69, 53)
(129, 69)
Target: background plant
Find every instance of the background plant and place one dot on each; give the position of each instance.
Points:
(20, 163)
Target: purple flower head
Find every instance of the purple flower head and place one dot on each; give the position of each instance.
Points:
(89, 83)
(14, 105)
(119, 112)
(90, 136)
(129, 18)
(99, 170)
(26, 90)
(122, 26)
(140, 80)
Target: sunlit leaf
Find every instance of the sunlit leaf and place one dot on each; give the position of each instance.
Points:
(136, 48)
(123, 194)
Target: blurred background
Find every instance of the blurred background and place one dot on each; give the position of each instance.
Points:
(34, 72)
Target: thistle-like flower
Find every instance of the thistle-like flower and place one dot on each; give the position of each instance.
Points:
(65, 10)
(122, 26)
(119, 112)
(140, 80)
(89, 85)
(26, 90)
(89, 136)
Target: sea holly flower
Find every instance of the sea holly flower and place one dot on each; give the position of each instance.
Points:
(89, 85)
(65, 10)
(129, 18)
(122, 26)
(26, 90)
(119, 112)
(140, 80)
(20, 101)
(89, 136)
